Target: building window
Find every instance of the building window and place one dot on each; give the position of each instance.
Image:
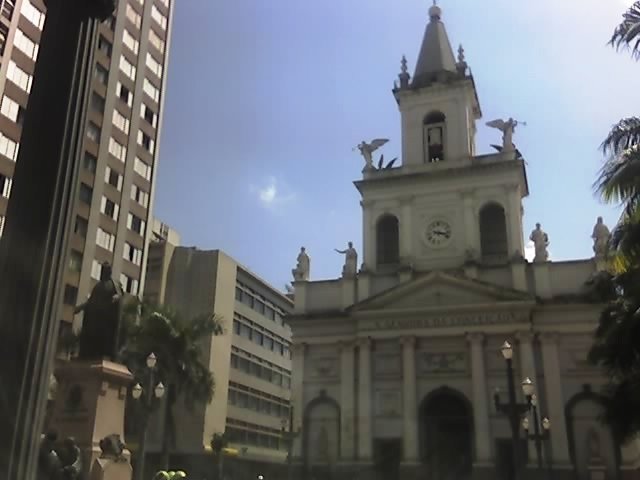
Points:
(149, 115)
(32, 14)
(150, 90)
(26, 45)
(146, 141)
(2, 220)
(5, 186)
(101, 74)
(434, 134)
(93, 132)
(154, 65)
(96, 270)
(142, 169)
(105, 239)
(124, 94)
(75, 261)
(121, 121)
(133, 254)
(136, 224)
(8, 6)
(89, 162)
(104, 46)
(133, 16)
(139, 195)
(18, 76)
(155, 40)
(70, 295)
(117, 150)
(158, 17)
(130, 41)
(10, 108)
(113, 178)
(97, 102)
(128, 69)
(85, 193)
(493, 232)
(109, 208)
(129, 285)
(81, 226)
(4, 33)
(387, 241)
(8, 147)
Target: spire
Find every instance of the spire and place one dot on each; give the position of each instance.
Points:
(404, 73)
(436, 55)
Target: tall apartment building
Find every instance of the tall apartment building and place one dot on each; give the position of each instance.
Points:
(115, 194)
(251, 362)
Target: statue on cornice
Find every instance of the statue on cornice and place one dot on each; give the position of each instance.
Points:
(600, 236)
(541, 241)
(350, 261)
(367, 149)
(507, 128)
(301, 272)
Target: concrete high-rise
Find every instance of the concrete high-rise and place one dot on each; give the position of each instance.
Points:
(116, 186)
(251, 361)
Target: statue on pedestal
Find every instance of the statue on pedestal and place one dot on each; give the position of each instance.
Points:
(350, 267)
(301, 272)
(507, 128)
(367, 149)
(541, 241)
(600, 236)
(101, 323)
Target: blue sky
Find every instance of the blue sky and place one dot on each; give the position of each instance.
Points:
(266, 100)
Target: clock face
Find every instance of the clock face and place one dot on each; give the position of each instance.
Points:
(438, 233)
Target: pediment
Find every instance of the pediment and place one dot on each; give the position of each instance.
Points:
(441, 290)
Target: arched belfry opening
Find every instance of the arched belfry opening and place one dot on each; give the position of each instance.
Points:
(434, 135)
(493, 232)
(446, 447)
(387, 240)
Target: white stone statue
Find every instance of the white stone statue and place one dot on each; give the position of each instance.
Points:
(507, 128)
(350, 261)
(367, 149)
(541, 242)
(600, 236)
(301, 272)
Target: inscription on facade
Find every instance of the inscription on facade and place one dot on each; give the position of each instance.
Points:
(438, 321)
(444, 362)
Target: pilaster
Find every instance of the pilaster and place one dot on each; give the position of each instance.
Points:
(482, 430)
(365, 441)
(409, 399)
(347, 396)
(298, 351)
(542, 279)
(348, 291)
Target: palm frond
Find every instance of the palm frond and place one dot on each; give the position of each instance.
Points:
(619, 179)
(623, 135)
(627, 34)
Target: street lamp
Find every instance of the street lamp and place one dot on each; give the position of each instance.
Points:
(537, 436)
(288, 434)
(512, 409)
(152, 393)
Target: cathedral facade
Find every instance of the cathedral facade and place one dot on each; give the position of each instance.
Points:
(400, 367)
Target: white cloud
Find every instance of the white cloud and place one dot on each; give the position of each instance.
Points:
(272, 194)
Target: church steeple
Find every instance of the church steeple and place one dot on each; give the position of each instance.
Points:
(436, 55)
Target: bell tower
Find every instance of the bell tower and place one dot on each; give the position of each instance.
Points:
(445, 205)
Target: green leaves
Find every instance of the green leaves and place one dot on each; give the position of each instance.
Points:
(627, 34)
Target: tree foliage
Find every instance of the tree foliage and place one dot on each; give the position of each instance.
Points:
(616, 346)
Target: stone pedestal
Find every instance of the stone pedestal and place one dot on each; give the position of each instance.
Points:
(89, 406)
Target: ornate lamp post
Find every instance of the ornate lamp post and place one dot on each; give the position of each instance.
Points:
(537, 436)
(512, 409)
(147, 396)
(289, 435)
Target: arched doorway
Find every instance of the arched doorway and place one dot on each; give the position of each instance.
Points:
(447, 434)
(321, 440)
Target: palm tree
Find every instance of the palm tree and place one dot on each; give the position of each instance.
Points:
(218, 443)
(617, 340)
(181, 366)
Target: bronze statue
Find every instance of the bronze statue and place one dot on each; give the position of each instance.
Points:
(62, 463)
(101, 323)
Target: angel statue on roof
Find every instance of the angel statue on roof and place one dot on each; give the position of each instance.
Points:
(367, 149)
(507, 127)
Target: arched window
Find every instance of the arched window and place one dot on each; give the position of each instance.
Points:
(493, 232)
(387, 241)
(434, 134)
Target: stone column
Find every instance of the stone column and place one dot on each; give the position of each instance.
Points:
(471, 222)
(406, 229)
(365, 433)
(38, 220)
(555, 401)
(409, 399)
(480, 399)
(347, 395)
(368, 236)
(516, 240)
(527, 369)
(298, 351)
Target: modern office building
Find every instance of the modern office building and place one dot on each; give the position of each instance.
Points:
(251, 361)
(115, 194)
